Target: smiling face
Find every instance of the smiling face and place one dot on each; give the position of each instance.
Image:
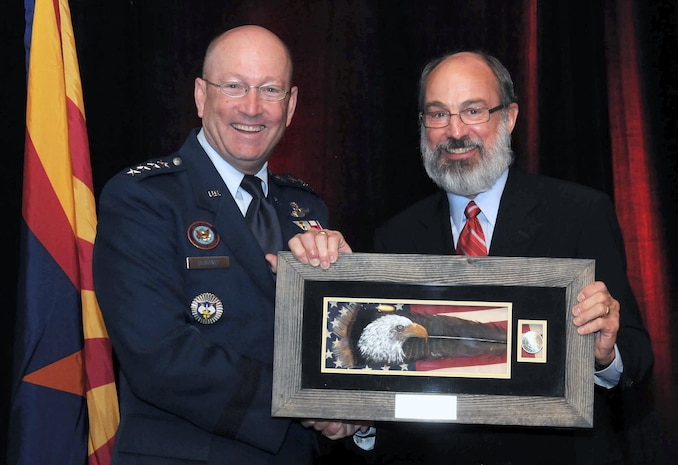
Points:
(460, 158)
(245, 130)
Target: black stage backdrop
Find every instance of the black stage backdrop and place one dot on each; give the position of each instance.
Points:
(355, 133)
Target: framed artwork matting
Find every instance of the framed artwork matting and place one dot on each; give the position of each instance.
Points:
(406, 337)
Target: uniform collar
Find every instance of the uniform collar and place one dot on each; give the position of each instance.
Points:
(231, 176)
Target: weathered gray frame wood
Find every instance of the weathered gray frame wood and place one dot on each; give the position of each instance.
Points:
(574, 409)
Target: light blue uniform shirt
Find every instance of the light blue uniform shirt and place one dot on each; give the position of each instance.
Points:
(231, 176)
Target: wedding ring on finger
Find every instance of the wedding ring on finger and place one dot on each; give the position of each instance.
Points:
(607, 310)
(323, 232)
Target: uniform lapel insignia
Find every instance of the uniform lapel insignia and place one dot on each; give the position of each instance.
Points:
(202, 235)
(297, 211)
(308, 225)
(207, 308)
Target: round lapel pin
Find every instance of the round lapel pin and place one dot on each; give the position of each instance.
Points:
(206, 308)
(202, 235)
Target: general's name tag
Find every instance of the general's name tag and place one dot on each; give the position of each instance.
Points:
(202, 263)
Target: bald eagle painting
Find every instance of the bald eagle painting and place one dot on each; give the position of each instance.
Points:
(399, 337)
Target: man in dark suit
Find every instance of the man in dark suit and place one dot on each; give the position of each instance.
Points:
(186, 289)
(468, 111)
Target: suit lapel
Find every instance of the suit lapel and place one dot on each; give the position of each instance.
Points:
(284, 210)
(433, 223)
(517, 221)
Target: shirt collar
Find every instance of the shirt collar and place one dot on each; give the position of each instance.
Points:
(487, 201)
(231, 176)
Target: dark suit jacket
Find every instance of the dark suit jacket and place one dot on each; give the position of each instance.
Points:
(192, 392)
(538, 217)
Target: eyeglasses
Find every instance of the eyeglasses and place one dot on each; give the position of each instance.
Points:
(440, 119)
(239, 89)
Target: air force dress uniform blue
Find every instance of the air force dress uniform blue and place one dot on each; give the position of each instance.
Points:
(188, 300)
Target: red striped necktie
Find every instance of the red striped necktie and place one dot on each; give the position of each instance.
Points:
(472, 240)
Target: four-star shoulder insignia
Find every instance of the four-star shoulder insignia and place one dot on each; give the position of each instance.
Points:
(154, 166)
(289, 180)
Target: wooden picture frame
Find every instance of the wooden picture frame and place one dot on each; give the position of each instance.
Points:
(319, 371)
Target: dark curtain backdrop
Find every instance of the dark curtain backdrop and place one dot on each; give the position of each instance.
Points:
(595, 80)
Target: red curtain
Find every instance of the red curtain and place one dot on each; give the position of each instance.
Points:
(529, 103)
(636, 192)
(634, 179)
(635, 184)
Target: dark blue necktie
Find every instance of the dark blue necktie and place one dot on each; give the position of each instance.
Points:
(261, 216)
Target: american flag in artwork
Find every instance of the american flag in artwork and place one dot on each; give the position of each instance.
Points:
(417, 337)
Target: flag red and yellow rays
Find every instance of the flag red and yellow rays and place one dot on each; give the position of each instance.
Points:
(62, 354)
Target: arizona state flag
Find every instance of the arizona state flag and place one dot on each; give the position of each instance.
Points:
(64, 402)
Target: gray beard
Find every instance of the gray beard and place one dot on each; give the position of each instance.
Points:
(468, 177)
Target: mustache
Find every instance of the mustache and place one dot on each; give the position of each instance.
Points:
(463, 143)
